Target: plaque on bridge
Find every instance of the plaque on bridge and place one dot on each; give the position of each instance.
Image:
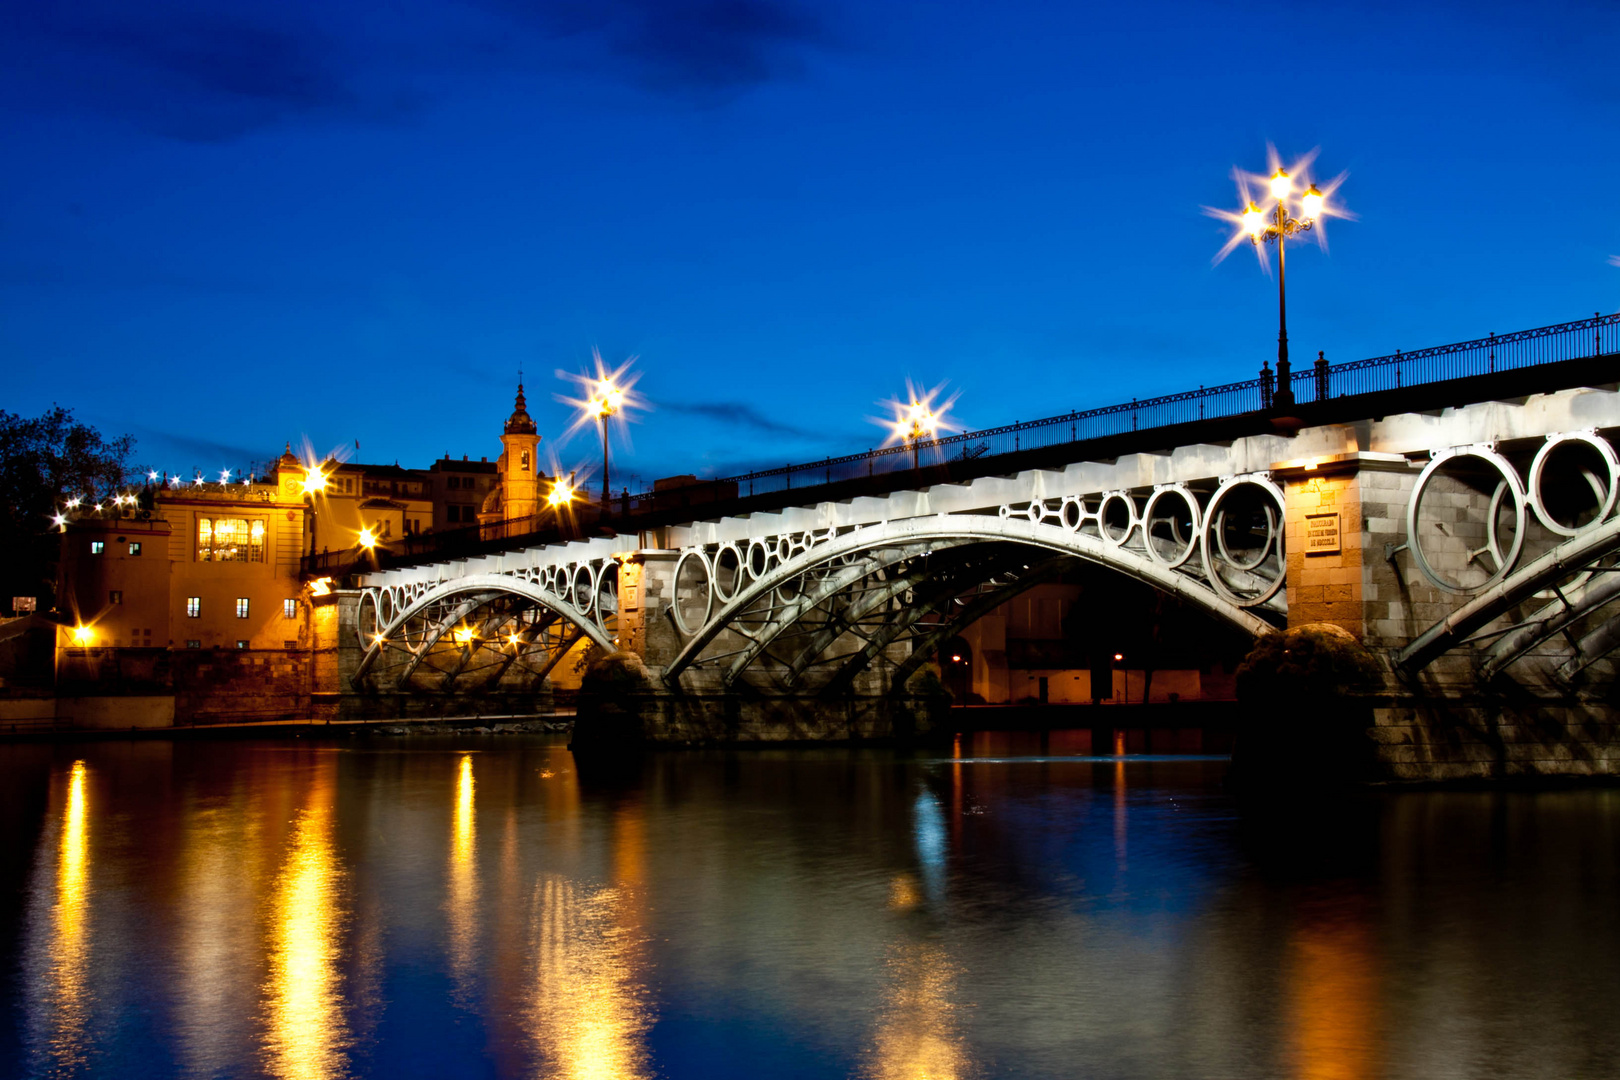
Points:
(1322, 534)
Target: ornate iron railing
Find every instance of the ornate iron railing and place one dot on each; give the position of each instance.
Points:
(1597, 336)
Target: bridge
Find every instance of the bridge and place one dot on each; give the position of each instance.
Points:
(1453, 508)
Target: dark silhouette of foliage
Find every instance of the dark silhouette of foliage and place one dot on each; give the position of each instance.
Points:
(44, 461)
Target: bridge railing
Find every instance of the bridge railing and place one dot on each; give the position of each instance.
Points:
(1597, 336)
(1311, 382)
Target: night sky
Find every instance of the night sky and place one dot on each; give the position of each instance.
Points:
(227, 226)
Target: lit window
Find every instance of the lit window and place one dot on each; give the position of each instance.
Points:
(193, 643)
(116, 596)
(230, 540)
(135, 547)
(241, 643)
(193, 606)
(289, 608)
(525, 461)
(97, 547)
(241, 607)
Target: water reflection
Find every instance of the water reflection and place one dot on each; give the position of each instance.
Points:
(306, 1036)
(62, 997)
(918, 1035)
(462, 901)
(220, 876)
(589, 1008)
(1333, 990)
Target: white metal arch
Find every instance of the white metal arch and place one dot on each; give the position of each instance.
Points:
(959, 527)
(484, 583)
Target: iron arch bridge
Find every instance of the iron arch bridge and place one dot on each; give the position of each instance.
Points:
(787, 605)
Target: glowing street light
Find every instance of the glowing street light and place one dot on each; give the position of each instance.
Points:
(606, 399)
(83, 635)
(561, 495)
(1288, 215)
(367, 538)
(921, 423)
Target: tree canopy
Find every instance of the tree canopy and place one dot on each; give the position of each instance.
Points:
(44, 461)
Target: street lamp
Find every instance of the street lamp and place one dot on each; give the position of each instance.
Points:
(561, 494)
(921, 423)
(606, 399)
(1278, 224)
(314, 484)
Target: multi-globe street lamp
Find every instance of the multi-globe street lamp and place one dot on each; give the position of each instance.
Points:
(920, 424)
(1280, 225)
(606, 399)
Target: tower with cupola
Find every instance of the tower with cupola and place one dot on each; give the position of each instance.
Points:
(519, 465)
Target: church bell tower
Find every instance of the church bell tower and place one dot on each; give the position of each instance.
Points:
(520, 464)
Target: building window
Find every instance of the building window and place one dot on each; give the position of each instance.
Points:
(193, 606)
(193, 643)
(453, 483)
(230, 540)
(97, 547)
(135, 547)
(116, 596)
(525, 461)
(241, 643)
(289, 644)
(453, 512)
(289, 608)
(241, 607)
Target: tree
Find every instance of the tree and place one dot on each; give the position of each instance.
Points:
(44, 461)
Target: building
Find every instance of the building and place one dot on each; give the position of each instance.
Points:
(203, 566)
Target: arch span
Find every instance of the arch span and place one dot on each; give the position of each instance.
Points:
(954, 530)
(473, 591)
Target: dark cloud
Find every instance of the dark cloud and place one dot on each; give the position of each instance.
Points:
(204, 73)
(690, 46)
(160, 450)
(738, 415)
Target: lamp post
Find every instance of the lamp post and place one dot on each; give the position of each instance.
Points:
(1278, 224)
(921, 423)
(606, 398)
(314, 484)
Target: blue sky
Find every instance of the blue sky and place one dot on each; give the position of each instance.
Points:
(228, 226)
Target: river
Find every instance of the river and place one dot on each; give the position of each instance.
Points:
(472, 906)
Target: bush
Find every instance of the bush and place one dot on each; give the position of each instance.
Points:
(1307, 662)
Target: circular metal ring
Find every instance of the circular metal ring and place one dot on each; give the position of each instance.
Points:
(1214, 516)
(1131, 520)
(1005, 511)
(606, 588)
(1071, 513)
(582, 588)
(1510, 480)
(720, 571)
(1189, 543)
(1035, 511)
(1605, 451)
(759, 559)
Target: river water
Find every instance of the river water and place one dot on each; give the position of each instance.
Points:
(475, 907)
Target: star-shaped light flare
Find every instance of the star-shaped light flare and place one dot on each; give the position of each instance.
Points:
(607, 393)
(1302, 197)
(921, 417)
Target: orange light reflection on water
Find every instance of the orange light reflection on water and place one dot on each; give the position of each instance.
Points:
(67, 995)
(1334, 995)
(589, 1011)
(462, 902)
(306, 1034)
(918, 1033)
